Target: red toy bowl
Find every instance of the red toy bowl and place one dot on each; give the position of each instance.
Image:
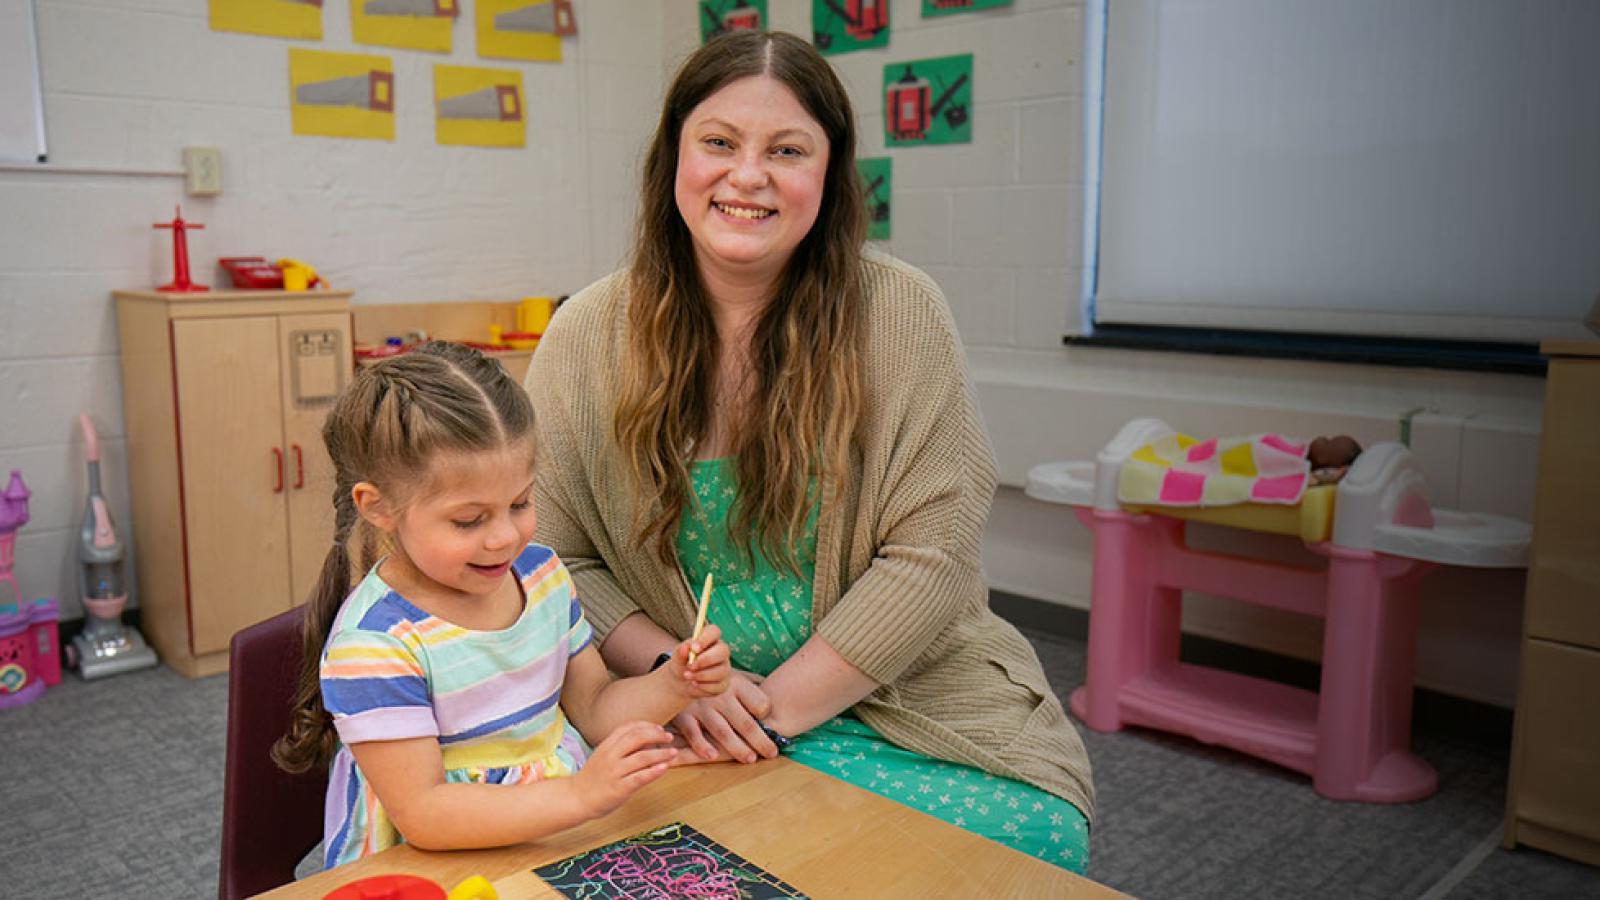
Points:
(255, 273)
(388, 887)
(252, 272)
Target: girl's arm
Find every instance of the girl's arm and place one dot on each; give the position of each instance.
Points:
(714, 729)
(633, 645)
(597, 705)
(408, 776)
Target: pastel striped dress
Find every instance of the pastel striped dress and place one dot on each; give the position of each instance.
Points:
(492, 698)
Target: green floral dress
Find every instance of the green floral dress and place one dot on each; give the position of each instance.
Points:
(765, 615)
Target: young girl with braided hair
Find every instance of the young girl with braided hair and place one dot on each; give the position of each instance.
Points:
(453, 691)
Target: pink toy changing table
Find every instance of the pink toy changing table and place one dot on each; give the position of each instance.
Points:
(1379, 536)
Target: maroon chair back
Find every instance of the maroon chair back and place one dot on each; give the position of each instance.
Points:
(270, 819)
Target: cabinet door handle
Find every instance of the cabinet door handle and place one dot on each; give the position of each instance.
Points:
(277, 469)
(299, 467)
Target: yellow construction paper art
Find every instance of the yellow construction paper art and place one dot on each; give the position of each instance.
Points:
(274, 18)
(341, 94)
(523, 29)
(412, 24)
(479, 107)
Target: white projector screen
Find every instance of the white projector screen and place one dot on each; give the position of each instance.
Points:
(1417, 168)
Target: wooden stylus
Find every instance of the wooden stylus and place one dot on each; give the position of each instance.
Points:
(700, 617)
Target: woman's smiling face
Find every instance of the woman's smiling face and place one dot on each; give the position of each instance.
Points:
(751, 167)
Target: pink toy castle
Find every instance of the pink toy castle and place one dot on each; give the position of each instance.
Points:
(30, 655)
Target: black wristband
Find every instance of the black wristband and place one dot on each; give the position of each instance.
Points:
(660, 661)
(773, 736)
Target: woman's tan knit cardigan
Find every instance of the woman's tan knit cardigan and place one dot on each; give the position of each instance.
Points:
(898, 592)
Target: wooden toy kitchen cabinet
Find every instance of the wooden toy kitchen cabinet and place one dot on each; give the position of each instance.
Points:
(224, 394)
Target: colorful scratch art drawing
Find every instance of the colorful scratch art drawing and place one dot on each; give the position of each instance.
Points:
(673, 862)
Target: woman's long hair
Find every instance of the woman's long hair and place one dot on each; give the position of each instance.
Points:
(805, 348)
(385, 429)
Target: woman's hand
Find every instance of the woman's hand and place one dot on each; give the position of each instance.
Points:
(709, 674)
(627, 760)
(726, 726)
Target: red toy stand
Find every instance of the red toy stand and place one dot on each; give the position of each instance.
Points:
(180, 283)
(388, 887)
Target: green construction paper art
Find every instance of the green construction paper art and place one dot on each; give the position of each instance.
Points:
(928, 101)
(721, 16)
(931, 8)
(877, 182)
(839, 26)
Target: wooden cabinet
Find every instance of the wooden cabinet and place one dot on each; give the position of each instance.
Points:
(224, 395)
(463, 320)
(1554, 798)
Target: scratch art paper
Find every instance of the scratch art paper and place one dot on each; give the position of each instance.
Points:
(673, 862)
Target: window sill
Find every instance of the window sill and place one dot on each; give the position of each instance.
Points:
(1475, 356)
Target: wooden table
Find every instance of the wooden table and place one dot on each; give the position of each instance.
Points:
(821, 835)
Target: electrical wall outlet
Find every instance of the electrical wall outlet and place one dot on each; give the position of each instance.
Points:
(202, 168)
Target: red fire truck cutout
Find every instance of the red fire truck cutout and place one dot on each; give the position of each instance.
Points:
(910, 112)
(741, 16)
(862, 19)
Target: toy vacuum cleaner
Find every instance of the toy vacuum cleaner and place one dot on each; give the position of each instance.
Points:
(106, 646)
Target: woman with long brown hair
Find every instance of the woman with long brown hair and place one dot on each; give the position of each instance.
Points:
(760, 398)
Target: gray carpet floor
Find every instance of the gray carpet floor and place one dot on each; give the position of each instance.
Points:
(113, 789)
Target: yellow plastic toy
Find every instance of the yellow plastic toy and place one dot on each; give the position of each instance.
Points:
(297, 276)
(533, 314)
(516, 340)
(475, 888)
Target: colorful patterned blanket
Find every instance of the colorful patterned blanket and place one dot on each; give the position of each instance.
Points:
(1179, 470)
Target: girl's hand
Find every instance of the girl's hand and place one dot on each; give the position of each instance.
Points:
(710, 672)
(726, 726)
(627, 760)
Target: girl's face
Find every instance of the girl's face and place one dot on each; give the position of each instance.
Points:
(473, 518)
(751, 167)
